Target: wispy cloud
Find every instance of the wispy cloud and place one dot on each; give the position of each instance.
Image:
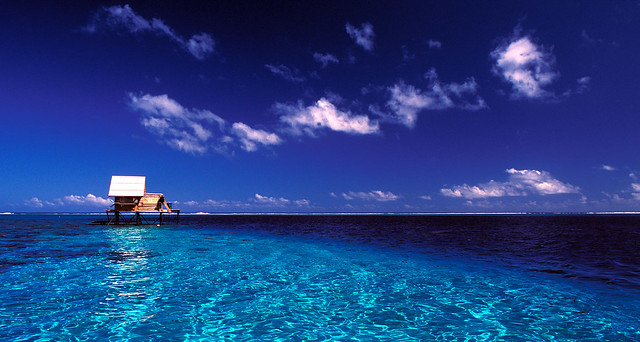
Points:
(325, 59)
(213, 205)
(88, 200)
(363, 36)
(280, 202)
(285, 72)
(271, 200)
(249, 137)
(607, 167)
(200, 45)
(374, 195)
(583, 84)
(195, 130)
(302, 203)
(529, 67)
(188, 130)
(588, 39)
(636, 191)
(519, 183)
(406, 100)
(256, 202)
(324, 115)
(35, 202)
(407, 55)
(434, 44)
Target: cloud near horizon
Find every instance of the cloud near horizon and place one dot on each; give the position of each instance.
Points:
(89, 200)
(257, 201)
(635, 187)
(200, 45)
(279, 202)
(374, 195)
(520, 183)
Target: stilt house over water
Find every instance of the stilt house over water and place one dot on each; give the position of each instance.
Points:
(130, 196)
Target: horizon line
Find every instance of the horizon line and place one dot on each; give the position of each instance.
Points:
(355, 213)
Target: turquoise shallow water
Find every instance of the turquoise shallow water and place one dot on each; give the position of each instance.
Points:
(65, 280)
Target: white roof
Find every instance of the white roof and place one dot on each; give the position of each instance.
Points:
(133, 186)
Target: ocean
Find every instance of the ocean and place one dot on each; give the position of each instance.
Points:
(322, 278)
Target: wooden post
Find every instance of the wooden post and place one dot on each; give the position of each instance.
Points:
(160, 218)
(137, 218)
(117, 217)
(166, 205)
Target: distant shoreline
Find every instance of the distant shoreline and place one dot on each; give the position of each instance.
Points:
(594, 213)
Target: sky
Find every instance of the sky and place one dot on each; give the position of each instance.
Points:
(322, 106)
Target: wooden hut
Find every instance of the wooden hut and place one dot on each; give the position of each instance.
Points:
(130, 196)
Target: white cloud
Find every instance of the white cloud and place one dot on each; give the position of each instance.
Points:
(635, 187)
(406, 100)
(194, 130)
(434, 44)
(520, 183)
(224, 204)
(89, 200)
(374, 195)
(34, 202)
(188, 130)
(363, 36)
(325, 59)
(257, 201)
(324, 115)
(199, 45)
(285, 72)
(302, 203)
(271, 200)
(527, 66)
(607, 167)
(249, 136)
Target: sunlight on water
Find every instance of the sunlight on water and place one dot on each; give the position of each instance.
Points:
(220, 284)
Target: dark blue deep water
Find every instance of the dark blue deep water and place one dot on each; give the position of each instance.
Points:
(322, 278)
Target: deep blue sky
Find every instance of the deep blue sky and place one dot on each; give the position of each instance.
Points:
(323, 106)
